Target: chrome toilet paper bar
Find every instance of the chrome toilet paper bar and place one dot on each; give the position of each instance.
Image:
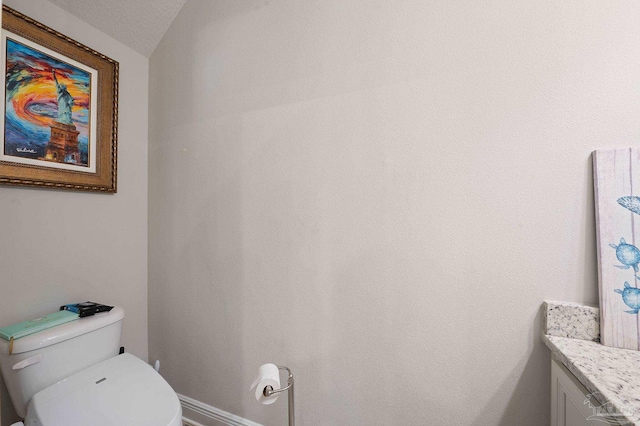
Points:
(269, 391)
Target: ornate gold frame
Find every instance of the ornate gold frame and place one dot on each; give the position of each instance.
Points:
(105, 177)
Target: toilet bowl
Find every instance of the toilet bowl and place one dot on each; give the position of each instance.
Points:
(73, 375)
(122, 390)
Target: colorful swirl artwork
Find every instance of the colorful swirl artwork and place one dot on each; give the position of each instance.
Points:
(32, 102)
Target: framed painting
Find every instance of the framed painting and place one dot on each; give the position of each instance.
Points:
(616, 176)
(60, 115)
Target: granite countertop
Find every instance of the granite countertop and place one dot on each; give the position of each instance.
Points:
(612, 375)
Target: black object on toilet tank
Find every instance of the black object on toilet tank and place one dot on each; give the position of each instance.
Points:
(86, 309)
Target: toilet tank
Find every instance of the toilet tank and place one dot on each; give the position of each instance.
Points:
(42, 359)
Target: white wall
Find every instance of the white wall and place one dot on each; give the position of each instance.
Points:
(379, 195)
(60, 247)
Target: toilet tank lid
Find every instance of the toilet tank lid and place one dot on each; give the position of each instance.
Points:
(63, 332)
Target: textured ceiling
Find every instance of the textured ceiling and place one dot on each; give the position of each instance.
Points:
(140, 24)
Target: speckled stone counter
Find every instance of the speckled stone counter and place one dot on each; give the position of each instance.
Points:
(565, 319)
(612, 375)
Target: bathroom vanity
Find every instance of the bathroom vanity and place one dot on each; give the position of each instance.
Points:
(591, 384)
(567, 398)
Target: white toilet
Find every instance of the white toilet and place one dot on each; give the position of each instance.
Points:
(72, 375)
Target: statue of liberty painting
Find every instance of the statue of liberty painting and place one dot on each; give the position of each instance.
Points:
(65, 102)
(63, 143)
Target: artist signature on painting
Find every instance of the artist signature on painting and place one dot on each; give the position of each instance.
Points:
(27, 150)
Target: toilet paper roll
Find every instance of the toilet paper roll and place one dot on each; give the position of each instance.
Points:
(268, 375)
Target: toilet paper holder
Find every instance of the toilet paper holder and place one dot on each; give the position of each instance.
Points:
(269, 391)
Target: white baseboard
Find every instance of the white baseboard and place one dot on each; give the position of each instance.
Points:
(189, 422)
(190, 405)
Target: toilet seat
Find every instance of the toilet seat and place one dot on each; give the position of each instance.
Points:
(121, 391)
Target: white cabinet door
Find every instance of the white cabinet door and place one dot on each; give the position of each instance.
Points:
(568, 396)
